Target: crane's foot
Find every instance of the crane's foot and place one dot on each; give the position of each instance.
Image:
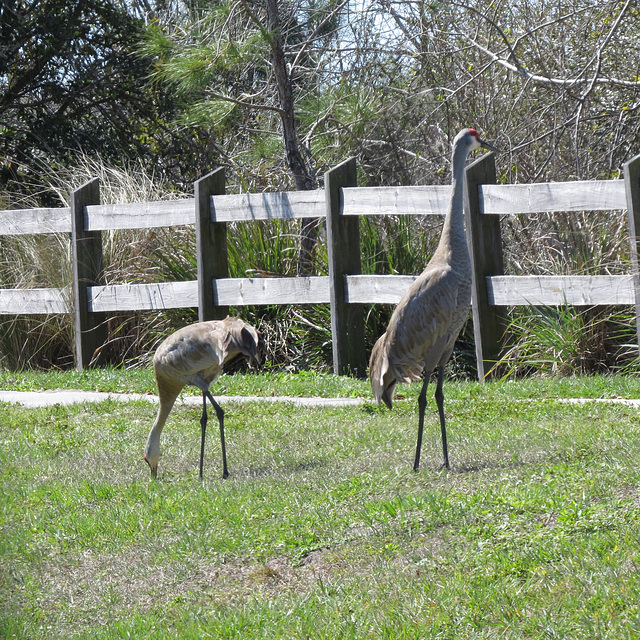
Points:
(445, 466)
(225, 475)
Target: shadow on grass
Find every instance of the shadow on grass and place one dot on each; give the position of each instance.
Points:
(560, 456)
(291, 467)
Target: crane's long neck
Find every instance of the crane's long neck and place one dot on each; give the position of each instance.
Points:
(168, 394)
(153, 441)
(453, 240)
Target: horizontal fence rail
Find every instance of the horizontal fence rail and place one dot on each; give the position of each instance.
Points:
(286, 205)
(264, 291)
(388, 201)
(346, 289)
(134, 215)
(143, 297)
(34, 221)
(224, 208)
(41, 301)
(560, 290)
(552, 197)
(376, 289)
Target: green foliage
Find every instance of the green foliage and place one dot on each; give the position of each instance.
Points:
(388, 84)
(67, 82)
(216, 115)
(570, 340)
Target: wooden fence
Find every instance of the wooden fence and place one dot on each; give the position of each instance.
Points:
(345, 288)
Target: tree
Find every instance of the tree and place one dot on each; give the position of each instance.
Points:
(69, 81)
(555, 80)
(245, 61)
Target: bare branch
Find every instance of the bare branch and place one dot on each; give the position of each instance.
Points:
(562, 82)
(598, 55)
(256, 20)
(316, 31)
(400, 23)
(518, 68)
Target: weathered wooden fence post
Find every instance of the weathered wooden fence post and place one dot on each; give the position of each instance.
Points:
(86, 246)
(211, 246)
(343, 248)
(632, 192)
(485, 247)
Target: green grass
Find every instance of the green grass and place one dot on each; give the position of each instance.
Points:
(323, 530)
(118, 380)
(309, 383)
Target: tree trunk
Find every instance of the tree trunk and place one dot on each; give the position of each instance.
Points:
(301, 176)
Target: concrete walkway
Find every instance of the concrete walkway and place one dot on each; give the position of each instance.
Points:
(632, 402)
(50, 398)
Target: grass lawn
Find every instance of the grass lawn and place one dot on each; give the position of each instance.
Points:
(323, 530)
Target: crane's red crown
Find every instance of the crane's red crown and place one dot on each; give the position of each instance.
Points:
(474, 133)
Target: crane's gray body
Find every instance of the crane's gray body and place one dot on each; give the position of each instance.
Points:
(427, 320)
(195, 355)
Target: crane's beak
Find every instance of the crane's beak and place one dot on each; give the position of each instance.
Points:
(154, 470)
(488, 146)
(256, 359)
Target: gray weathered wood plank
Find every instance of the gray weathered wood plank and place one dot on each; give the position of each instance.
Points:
(343, 253)
(418, 200)
(33, 221)
(90, 330)
(258, 291)
(140, 215)
(144, 297)
(593, 195)
(228, 291)
(34, 301)
(211, 246)
(268, 206)
(225, 208)
(560, 290)
(485, 249)
(376, 289)
(365, 289)
(385, 201)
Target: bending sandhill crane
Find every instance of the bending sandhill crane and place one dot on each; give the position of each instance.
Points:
(195, 355)
(425, 324)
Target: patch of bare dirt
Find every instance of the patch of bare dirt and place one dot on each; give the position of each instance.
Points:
(96, 587)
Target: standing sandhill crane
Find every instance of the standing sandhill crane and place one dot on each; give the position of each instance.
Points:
(425, 324)
(195, 355)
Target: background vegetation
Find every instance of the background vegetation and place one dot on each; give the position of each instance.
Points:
(152, 95)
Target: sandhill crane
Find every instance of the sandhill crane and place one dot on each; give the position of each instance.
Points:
(425, 324)
(195, 355)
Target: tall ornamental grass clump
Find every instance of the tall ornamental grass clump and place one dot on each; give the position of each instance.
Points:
(31, 262)
(35, 341)
(568, 339)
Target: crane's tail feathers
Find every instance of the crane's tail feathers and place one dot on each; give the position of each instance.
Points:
(387, 395)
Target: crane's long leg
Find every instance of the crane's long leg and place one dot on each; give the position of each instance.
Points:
(440, 402)
(220, 414)
(422, 405)
(203, 425)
